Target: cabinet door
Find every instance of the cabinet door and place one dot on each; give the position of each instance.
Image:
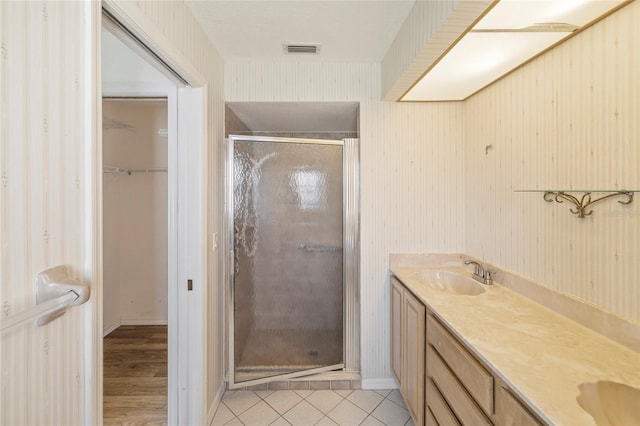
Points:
(414, 344)
(396, 329)
(511, 412)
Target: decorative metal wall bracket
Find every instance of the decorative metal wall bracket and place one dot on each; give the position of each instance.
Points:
(585, 201)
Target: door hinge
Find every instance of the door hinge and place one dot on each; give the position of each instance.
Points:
(190, 285)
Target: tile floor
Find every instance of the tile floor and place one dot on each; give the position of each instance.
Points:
(311, 408)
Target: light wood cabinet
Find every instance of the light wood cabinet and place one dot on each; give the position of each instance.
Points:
(476, 380)
(440, 379)
(413, 381)
(470, 389)
(397, 293)
(461, 403)
(510, 411)
(408, 327)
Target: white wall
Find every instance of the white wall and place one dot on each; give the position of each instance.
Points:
(411, 178)
(412, 181)
(135, 214)
(567, 120)
(43, 93)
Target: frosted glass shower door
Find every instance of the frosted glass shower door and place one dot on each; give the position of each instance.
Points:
(287, 278)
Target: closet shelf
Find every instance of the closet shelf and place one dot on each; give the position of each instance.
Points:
(583, 202)
(125, 171)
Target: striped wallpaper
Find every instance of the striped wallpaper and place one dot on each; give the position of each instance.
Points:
(429, 184)
(179, 26)
(282, 81)
(42, 81)
(42, 153)
(567, 120)
(411, 176)
(412, 199)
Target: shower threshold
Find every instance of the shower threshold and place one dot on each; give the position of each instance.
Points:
(254, 373)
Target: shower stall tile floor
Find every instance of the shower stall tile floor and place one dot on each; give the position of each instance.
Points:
(283, 351)
(312, 408)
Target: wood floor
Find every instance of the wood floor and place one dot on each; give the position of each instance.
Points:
(135, 376)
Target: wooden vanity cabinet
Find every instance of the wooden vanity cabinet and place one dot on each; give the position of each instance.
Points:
(408, 348)
(397, 296)
(472, 392)
(441, 381)
(464, 384)
(510, 411)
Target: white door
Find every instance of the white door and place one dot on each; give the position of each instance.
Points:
(45, 207)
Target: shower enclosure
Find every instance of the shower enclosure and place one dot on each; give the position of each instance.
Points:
(286, 263)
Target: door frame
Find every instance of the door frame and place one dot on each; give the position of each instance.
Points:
(189, 403)
(351, 264)
(172, 96)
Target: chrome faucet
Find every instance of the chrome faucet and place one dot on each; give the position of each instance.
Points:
(479, 273)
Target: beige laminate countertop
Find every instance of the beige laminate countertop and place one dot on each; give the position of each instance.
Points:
(544, 356)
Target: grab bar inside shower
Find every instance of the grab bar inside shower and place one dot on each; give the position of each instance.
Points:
(308, 249)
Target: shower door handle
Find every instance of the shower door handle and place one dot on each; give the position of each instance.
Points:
(232, 263)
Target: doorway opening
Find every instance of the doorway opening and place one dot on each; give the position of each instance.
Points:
(135, 251)
(139, 138)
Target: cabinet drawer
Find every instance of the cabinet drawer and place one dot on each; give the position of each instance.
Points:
(463, 405)
(438, 407)
(511, 412)
(477, 381)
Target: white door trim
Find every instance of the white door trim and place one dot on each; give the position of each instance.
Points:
(192, 255)
(190, 405)
(93, 217)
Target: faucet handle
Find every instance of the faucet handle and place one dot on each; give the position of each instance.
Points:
(488, 276)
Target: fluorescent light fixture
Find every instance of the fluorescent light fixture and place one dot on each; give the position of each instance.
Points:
(513, 32)
(477, 60)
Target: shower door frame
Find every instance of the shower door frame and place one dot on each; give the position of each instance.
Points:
(350, 257)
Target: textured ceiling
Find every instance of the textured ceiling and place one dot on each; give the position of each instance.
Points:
(347, 30)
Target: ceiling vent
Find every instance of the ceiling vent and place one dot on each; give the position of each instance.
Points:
(312, 49)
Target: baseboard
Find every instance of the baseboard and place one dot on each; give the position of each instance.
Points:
(110, 328)
(216, 402)
(117, 324)
(371, 384)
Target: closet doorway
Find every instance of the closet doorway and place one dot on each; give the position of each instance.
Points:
(135, 251)
(139, 156)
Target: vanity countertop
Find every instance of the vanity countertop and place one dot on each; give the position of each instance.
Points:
(543, 355)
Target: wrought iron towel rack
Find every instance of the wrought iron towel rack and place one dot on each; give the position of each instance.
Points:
(585, 201)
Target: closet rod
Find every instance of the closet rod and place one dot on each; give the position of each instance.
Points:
(120, 170)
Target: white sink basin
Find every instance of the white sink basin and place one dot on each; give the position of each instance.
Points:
(610, 403)
(451, 282)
